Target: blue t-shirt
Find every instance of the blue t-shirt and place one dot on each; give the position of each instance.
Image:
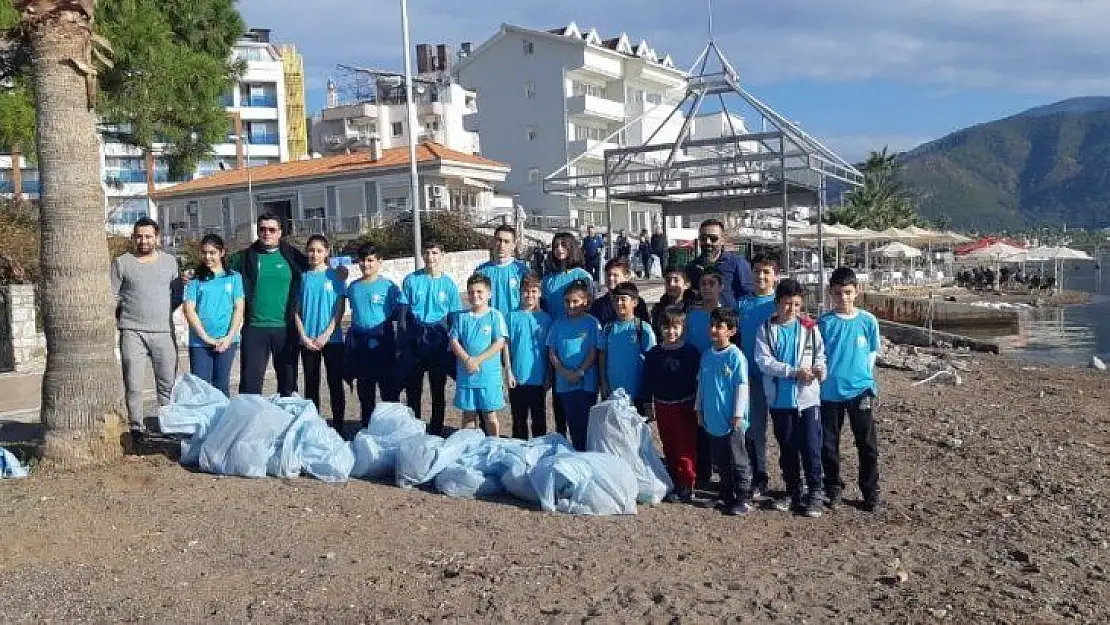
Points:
(555, 287)
(754, 311)
(372, 302)
(786, 351)
(850, 347)
(320, 290)
(572, 340)
(624, 349)
(429, 298)
(215, 305)
(476, 333)
(720, 378)
(697, 329)
(528, 345)
(505, 282)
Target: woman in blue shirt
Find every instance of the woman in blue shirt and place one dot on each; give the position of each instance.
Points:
(319, 313)
(564, 266)
(214, 309)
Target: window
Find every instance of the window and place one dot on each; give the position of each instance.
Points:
(589, 132)
(397, 129)
(315, 213)
(533, 175)
(225, 214)
(633, 96)
(529, 47)
(193, 211)
(583, 88)
(530, 132)
(530, 90)
(655, 98)
(395, 204)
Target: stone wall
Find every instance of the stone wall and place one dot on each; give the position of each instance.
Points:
(22, 346)
(944, 314)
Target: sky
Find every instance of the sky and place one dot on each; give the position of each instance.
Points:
(857, 74)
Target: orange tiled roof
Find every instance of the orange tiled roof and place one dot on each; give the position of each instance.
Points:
(426, 152)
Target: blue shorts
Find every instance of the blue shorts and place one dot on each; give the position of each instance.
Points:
(487, 399)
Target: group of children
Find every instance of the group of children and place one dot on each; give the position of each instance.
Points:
(711, 377)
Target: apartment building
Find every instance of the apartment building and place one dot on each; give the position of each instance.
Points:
(545, 97)
(376, 105)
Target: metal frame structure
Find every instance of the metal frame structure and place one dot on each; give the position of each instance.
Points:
(780, 167)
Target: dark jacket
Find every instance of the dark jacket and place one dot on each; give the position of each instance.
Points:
(737, 272)
(659, 247)
(246, 263)
(687, 301)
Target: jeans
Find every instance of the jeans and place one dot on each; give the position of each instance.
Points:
(258, 346)
(678, 430)
(332, 359)
(136, 349)
(862, 421)
(755, 439)
(437, 382)
(576, 406)
(213, 367)
(732, 464)
(798, 433)
(528, 400)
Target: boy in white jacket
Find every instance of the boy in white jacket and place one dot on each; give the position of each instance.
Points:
(791, 356)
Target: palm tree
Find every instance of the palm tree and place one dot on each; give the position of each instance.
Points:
(883, 201)
(81, 391)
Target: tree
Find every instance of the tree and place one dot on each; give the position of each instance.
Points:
(882, 202)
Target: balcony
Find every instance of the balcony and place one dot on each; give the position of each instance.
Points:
(595, 148)
(28, 186)
(125, 176)
(593, 106)
(349, 111)
(265, 139)
(259, 101)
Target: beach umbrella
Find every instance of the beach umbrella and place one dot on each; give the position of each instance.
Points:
(998, 252)
(898, 250)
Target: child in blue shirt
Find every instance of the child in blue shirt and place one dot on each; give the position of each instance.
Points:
(697, 321)
(624, 342)
(722, 406)
(791, 358)
(528, 373)
(572, 350)
(851, 345)
(755, 309)
(564, 267)
(372, 340)
(504, 272)
(214, 303)
(477, 338)
(318, 316)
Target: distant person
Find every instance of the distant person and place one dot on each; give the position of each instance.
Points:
(564, 267)
(658, 244)
(735, 271)
(477, 339)
(504, 272)
(272, 271)
(644, 252)
(214, 304)
(592, 246)
(624, 247)
(371, 349)
(319, 321)
(528, 372)
(147, 287)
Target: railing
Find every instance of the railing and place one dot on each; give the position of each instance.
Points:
(328, 225)
(28, 186)
(261, 101)
(265, 139)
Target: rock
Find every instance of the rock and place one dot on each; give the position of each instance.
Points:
(1097, 364)
(329, 555)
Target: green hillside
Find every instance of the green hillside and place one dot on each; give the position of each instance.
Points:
(1049, 165)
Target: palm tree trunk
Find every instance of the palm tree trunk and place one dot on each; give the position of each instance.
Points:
(81, 389)
(17, 174)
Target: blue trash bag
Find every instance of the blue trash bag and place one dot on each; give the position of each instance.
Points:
(194, 406)
(10, 467)
(585, 483)
(286, 460)
(322, 451)
(477, 473)
(375, 447)
(520, 460)
(245, 440)
(421, 458)
(616, 428)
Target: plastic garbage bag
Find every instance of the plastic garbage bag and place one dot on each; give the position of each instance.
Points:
(286, 460)
(322, 451)
(585, 483)
(245, 439)
(10, 467)
(519, 461)
(421, 458)
(656, 269)
(477, 473)
(375, 447)
(616, 428)
(194, 405)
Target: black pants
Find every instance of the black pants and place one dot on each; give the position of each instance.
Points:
(437, 382)
(731, 459)
(257, 347)
(560, 414)
(375, 371)
(704, 463)
(798, 433)
(862, 422)
(528, 400)
(332, 359)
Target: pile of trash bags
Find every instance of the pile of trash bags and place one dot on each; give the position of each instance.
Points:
(253, 436)
(10, 466)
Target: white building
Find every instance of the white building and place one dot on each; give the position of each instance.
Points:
(546, 97)
(381, 110)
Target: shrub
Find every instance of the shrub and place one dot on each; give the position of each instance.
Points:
(395, 239)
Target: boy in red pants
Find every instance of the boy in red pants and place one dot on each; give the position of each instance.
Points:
(669, 387)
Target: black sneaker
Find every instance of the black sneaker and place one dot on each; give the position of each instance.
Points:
(759, 493)
(871, 504)
(739, 508)
(138, 435)
(814, 504)
(672, 497)
(687, 496)
(782, 503)
(832, 500)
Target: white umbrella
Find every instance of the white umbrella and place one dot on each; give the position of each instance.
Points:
(998, 253)
(1058, 255)
(898, 250)
(894, 234)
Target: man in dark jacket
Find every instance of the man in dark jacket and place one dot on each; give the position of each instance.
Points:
(659, 245)
(735, 269)
(592, 248)
(272, 271)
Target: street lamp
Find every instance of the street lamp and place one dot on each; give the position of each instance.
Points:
(414, 181)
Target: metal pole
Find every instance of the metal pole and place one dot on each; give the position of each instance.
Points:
(608, 206)
(821, 246)
(786, 267)
(414, 180)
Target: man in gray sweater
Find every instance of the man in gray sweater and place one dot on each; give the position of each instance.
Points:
(148, 288)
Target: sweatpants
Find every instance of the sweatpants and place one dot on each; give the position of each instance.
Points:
(678, 429)
(437, 383)
(213, 367)
(331, 357)
(136, 349)
(862, 421)
(576, 406)
(257, 347)
(528, 401)
(731, 460)
(755, 438)
(375, 373)
(798, 433)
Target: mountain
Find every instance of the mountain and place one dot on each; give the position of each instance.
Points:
(1047, 165)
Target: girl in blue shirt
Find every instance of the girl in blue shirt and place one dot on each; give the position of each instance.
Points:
(319, 314)
(214, 303)
(564, 266)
